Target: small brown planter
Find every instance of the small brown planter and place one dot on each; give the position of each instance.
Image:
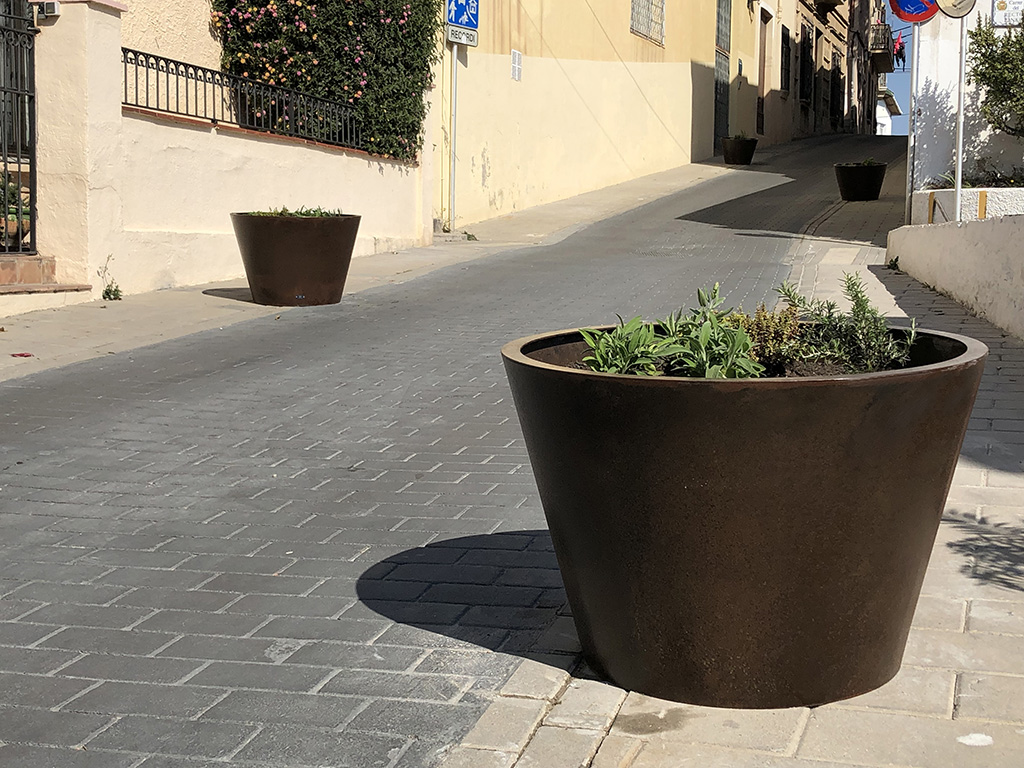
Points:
(860, 182)
(294, 261)
(744, 543)
(738, 151)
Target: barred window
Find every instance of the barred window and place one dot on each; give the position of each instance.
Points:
(648, 20)
(786, 60)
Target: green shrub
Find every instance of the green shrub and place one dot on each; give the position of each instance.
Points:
(374, 55)
(806, 337)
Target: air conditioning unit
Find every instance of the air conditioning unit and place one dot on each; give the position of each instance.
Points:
(48, 9)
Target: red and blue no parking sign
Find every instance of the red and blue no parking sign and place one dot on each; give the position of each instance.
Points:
(914, 10)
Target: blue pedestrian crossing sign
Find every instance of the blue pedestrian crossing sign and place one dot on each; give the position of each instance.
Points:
(464, 13)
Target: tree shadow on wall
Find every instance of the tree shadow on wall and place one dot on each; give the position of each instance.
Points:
(984, 149)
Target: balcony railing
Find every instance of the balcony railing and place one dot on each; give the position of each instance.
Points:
(882, 47)
(164, 85)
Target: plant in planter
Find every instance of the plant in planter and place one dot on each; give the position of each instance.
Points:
(743, 506)
(17, 223)
(860, 181)
(296, 258)
(738, 149)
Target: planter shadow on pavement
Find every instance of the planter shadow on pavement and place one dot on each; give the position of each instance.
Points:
(238, 294)
(500, 591)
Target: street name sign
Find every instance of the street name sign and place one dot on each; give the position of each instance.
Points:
(463, 36)
(1007, 13)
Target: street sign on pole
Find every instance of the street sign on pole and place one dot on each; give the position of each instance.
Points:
(464, 13)
(463, 17)
(463, 36)
(956, 9)
(1007, 13)
(913, 10)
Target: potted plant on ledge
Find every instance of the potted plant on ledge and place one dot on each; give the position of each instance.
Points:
(739, 149)
(860, 181)
(743, 507)
(296, 258)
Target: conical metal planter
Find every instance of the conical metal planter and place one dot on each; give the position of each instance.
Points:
(296, 261)
(744, 543)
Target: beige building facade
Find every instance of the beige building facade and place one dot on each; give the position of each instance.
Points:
(559, 97)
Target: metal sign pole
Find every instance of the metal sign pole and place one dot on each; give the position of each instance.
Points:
(912, 132)
(451, 137)
(960, 119)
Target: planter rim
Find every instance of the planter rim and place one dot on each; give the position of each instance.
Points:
(258, 215)
(860, 165)
(513, 351)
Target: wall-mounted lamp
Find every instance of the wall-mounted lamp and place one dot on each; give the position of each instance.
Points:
(47, 10)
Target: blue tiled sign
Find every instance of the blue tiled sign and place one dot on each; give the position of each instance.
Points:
(464, 13)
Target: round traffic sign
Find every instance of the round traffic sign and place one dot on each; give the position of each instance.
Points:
(914, 10)
(956, 9)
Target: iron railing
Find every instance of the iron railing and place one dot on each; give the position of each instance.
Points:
(164, 85)
(17, 127)
(882, 47)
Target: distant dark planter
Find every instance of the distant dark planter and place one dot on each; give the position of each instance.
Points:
(738, 151)
(744, 543)
(860, 182)
(293, 261)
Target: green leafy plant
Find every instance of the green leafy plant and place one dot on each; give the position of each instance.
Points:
(870, 161)
(111, 290)
(996, 63)
(858, 341)
(695, 344)
(740, 135)
(376, 56)
(708, 346)
(301, 213)
(805, 337)
(13, 200)
(634, 347)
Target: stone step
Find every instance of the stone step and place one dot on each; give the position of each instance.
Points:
(7, 290)
(26, 269)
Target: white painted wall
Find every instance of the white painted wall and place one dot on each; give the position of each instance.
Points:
(883, 120)
(181, 181)
(1001, 201)
(976, 262)
(936, 99)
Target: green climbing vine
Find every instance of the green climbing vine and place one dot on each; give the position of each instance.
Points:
(375, 55)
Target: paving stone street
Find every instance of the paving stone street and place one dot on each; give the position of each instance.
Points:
(312, 538)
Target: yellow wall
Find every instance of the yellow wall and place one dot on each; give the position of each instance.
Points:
(178, 30)
(596, 105)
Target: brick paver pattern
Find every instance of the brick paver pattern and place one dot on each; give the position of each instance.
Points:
(314, 539)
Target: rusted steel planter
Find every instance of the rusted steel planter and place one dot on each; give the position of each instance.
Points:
(738, 151)
(860, 182)
(744, 543)
(293, 261)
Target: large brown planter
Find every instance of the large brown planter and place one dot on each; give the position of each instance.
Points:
(860, 182)
(294, 261)
(744, 543)
(738, 151)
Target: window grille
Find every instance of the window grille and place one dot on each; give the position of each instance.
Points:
(517, 65)
(648, 20)
(806, 63)
(786, 61)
